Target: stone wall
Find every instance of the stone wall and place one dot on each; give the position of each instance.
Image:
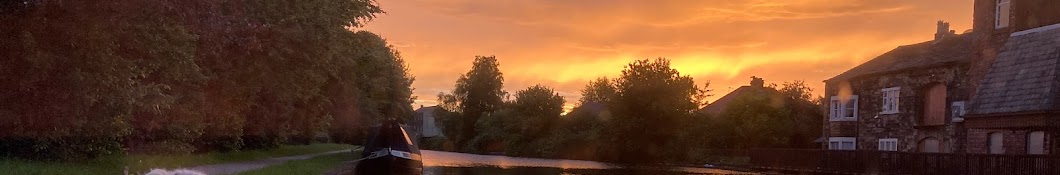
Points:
(905, 126)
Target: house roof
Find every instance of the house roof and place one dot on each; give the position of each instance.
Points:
(1023, 77)
(954, 49)
(426, 108)
(590, 108)
(718, 106)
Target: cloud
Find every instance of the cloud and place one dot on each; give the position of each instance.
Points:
(564, 44)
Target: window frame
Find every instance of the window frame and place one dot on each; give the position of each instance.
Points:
(888, 144)
(890, 98)
(839, 143)
(838, 109)
(955, 115)
(1040, 149)
(998, 15)
(1000, 140)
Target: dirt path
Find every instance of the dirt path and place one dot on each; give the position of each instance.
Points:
(237, 167)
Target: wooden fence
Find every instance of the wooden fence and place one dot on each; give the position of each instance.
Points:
(887, 162)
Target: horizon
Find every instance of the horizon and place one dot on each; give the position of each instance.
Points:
(723, 42)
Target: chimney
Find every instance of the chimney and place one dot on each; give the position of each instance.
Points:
(943, 30)
(757, 82)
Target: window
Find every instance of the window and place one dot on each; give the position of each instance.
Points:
(1002, 13)
(1036, 142)
(842, 143)
(957, 111)
(996, 143)
(890, 144)
(844, 109)
(890, 101)
(934, 113)
(930, 145)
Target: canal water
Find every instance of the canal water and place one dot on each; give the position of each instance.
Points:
(449, 163)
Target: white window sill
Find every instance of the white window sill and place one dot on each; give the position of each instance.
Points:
(889, 112)
(842, 119)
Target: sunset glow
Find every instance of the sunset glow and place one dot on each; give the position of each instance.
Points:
(564, 44)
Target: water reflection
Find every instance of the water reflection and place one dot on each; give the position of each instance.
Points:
(448, 163)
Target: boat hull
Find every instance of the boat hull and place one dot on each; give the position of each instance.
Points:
(389, 165)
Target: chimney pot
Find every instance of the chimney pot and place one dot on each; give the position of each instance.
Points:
(942, 30)
(757, 82)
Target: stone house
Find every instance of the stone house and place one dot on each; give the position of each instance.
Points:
(995, 90)
(908, 99)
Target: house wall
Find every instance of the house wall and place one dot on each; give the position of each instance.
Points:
(1014, 140)
(905, 126)
(1026, 14)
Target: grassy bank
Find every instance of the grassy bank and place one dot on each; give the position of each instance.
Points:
(141, 163)
(316, 165)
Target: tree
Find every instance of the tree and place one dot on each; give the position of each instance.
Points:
(601, 90)
(536, 110)
(151, 74)
(478, 93)
(651, 99)
(376, 86)
(805, 113)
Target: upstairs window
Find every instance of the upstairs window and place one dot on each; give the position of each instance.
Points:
(842, 143)
(890, 144)
(890, 101)
(957, 111)
(1004, 8)
(844, 109)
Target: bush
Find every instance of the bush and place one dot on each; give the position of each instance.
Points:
(67, 148)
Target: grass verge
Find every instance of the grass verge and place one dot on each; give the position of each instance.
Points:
(137, 164)
(316, 165)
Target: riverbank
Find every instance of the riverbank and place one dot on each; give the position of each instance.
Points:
(137, 164)
(317, 165)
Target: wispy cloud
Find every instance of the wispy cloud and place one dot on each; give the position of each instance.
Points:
(564, 44)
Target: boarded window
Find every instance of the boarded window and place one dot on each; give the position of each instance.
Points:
(935, 106)
(929, 145)
(1036, 142)
(996, 143)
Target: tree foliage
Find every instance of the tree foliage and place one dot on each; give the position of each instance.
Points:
(600, 90)
(478, 92)
(650, 102)
(178, 76)
(520, 128)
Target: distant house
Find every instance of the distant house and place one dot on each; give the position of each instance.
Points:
(591, 109)
(757, 87)
(425, 124)
(995, 90)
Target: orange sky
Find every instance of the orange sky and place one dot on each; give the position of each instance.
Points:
(564, 44)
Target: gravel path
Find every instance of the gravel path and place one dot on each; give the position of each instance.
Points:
(238, 167)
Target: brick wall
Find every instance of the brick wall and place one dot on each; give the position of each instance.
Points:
(1014, 141)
